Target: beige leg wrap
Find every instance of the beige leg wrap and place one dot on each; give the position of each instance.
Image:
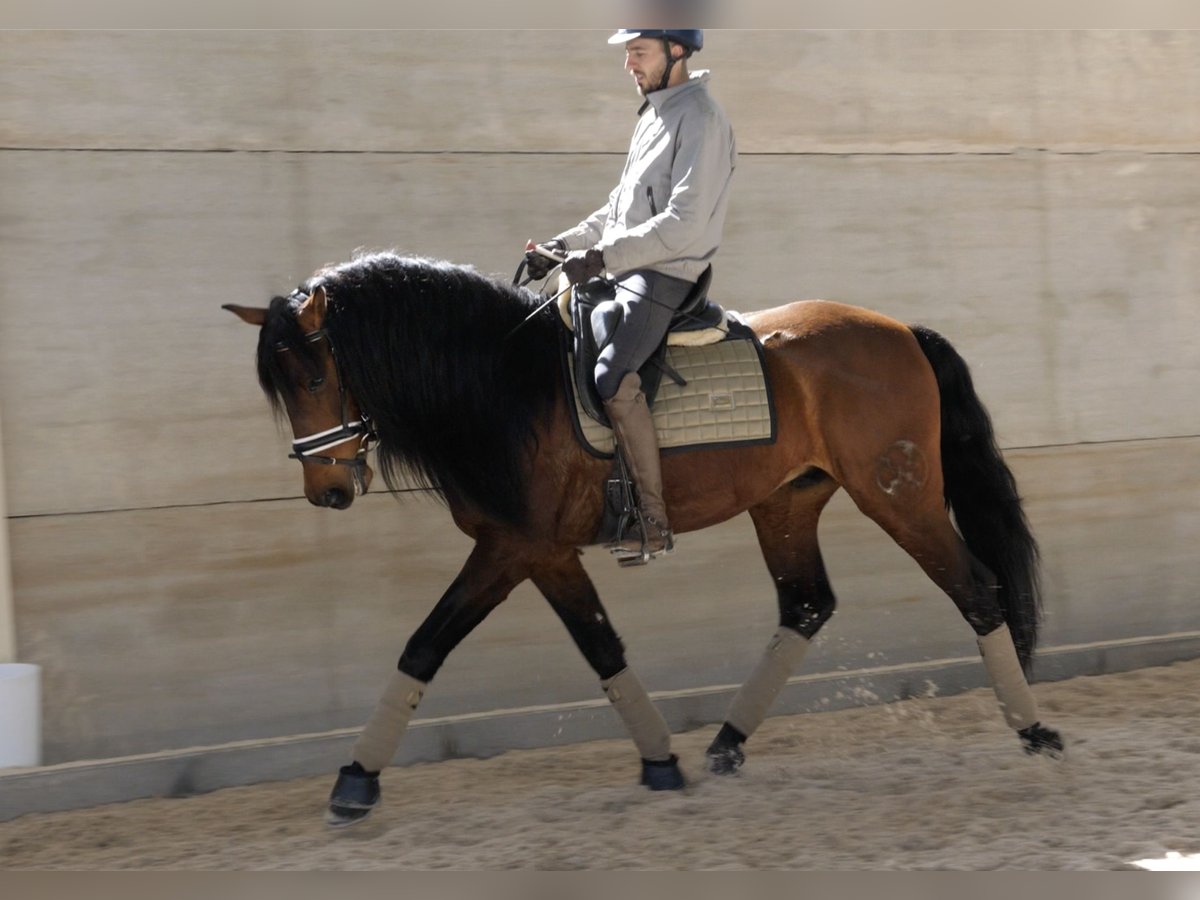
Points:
(379, 739)
(1008, 681)
(782, 657)
(645, 723)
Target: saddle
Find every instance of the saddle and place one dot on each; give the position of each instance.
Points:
(698, 322)
(715, 392)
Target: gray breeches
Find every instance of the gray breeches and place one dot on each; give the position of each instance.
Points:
(630, 327)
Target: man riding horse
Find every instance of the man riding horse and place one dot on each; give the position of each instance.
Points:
(887, 412)
(656, 236)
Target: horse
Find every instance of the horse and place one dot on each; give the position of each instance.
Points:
(455, 378)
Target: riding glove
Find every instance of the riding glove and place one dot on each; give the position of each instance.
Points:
(583, 265)
(539, 266)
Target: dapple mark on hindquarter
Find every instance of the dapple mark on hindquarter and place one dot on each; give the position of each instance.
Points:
(901, 469)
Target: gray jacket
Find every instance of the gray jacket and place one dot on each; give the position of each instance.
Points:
(668, 210)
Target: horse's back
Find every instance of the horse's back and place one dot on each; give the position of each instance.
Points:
(803, 319)
(845, 340)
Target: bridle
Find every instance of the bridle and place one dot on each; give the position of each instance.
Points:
(309, 447)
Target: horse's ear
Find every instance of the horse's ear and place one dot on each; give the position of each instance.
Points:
(251, 315)
(311, 313)
(318, 301)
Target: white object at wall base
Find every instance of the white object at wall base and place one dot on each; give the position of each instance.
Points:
(20, 715)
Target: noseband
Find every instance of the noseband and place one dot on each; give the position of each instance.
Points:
(309, 447)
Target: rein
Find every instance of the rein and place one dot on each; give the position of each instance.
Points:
(308, 448)
(517, 282)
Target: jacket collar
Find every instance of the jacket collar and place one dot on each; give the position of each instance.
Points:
(659, 99)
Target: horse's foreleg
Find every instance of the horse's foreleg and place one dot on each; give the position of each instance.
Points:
(569, 590)
(488, 576)
(786, 524)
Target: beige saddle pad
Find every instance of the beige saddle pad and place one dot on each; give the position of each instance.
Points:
(726, 400)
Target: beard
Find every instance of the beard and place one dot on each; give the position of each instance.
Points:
(650, 80)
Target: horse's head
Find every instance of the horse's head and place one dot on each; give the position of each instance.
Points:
(298, 370)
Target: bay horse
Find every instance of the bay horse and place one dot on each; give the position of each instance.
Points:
(426, 358)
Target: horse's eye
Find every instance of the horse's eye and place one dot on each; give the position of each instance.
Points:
(315, 384)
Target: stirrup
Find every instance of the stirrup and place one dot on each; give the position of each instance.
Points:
(628, 556)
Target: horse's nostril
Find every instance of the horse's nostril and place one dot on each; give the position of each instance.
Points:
(336, 498)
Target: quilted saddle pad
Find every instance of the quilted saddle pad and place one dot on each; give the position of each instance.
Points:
(726, 400)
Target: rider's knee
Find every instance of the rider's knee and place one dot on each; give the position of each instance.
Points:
(608, 379)
(605, 320)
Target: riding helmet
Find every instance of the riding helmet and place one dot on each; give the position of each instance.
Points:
(692, 38)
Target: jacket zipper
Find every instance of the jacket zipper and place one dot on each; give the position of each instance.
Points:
(650, 197)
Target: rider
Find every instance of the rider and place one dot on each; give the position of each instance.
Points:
(655, 236)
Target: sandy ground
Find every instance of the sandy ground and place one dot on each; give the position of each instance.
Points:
(932, 783)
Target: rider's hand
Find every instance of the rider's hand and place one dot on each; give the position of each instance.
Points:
(537, 265)
(583, 265)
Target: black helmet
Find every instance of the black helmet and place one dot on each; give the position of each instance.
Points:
(692, 38)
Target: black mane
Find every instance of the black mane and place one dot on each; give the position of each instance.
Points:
(422, 346)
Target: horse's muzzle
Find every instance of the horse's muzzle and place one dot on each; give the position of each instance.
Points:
(333, 498)
(341, 495)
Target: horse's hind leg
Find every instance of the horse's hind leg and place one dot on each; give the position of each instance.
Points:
(488, 576)
(566, 585)
(786, 523)
(922, 527)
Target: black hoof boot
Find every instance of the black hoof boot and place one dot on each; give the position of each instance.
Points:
(1037, 738)
(662, 775)
(725, 754)
(354, 795)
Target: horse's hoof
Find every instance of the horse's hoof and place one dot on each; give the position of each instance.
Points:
(725, 754)
(662, 775)
(341, 816)
(1037, 738)
(354, 795)
(724, 759)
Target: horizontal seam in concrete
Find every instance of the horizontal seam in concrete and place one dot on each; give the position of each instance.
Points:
(186, 771)
(1116, 442)
(665, 695)
(743, 154)
(202, 505)
(401, 492)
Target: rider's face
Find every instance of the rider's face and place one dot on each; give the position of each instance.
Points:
(646, 61)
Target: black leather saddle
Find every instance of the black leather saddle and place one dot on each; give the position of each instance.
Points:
(696, 313)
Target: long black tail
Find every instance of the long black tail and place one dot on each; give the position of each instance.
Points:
(982, 494)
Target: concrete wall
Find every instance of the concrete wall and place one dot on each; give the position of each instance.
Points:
(1035, 196)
